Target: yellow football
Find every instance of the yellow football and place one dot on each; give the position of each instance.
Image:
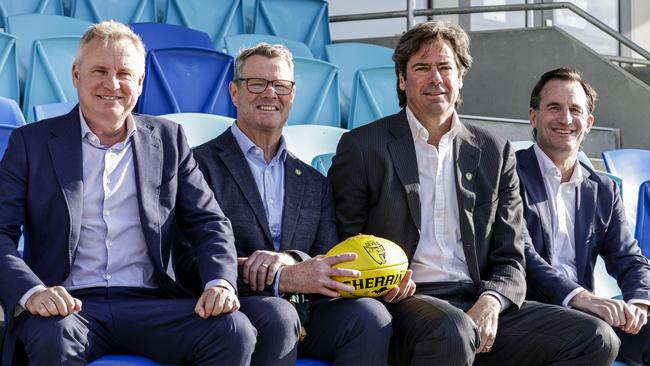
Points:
(381, 262)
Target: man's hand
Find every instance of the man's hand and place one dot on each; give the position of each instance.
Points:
(216, 300)
(261, 267)
(406, 288)
(485, 314)
(314, 275)
(617, 313)
(52, 301)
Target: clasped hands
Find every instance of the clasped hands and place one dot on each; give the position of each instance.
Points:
(630, 318)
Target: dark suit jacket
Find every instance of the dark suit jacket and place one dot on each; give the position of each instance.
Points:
(41, 187)
(376, 188)
(308, 225)
(600, 228)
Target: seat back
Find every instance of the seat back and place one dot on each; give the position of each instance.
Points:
(308, 141)
(306, 21)
(633, 166)
(30, 27)
(44, 111)
(125, 11)
(317, 99)
(5, 132)
(353, 56)
(50, 77)
(187, 80)
(322, 162)
(238, 42)
(10, 113)
(13, 7)
(123, 360)
(373, 95)
(9, 86)
(159, 35)
(200, 128)
(218, 21)
(642, 232)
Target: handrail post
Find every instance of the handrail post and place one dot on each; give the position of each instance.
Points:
(410, 17)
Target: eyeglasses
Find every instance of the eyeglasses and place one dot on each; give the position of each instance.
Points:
(259, 85)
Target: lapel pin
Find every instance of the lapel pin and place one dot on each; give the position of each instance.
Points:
(468, 176)
(298, 172)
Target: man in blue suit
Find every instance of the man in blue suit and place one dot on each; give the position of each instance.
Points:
(282, 214)
(574, 214)
(100, 194)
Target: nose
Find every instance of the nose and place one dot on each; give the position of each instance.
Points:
(436, 77)
(565, 116)
(111, 82)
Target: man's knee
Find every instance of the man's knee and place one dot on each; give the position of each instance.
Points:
(235, 331)
(56, 339)
(368, 316)
(278, 319)
(604, 339)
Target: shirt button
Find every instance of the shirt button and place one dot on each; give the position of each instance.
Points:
(108, 213)
(109, 243)
(107, 276)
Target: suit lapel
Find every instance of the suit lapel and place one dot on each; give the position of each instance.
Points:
(148, 164)
(584, 218)
(467, 156)
(294, 183)
(236, 163)
(65, 150)
(532, 177)
(402, 152)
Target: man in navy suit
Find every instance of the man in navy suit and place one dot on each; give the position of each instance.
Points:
(282, 214)
(574, 214)
(100, 194)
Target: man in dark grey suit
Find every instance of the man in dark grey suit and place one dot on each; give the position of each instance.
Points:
(100, 194)
(282, 214)
(574, 214)
(448, 193)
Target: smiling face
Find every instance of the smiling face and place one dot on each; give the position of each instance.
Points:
(432, 82)
(267, 111)
(562, 120)
(108, 79)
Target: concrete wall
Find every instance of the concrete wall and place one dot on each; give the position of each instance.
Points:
(508, 63)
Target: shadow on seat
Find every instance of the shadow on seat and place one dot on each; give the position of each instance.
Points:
(125, 11)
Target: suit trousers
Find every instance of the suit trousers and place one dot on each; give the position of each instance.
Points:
(635, 348)
(432, 328)
(136, 321)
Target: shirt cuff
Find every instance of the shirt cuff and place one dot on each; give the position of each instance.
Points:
(505, 303)
(571, 295)
(222, 283)
(639, 301)
(276, 280)
(22, 303)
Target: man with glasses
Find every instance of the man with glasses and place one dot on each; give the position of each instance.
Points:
(282, 214)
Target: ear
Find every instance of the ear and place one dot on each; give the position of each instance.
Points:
(140, 83)
(402, 82)
(75, 75)
(590, 122)
(532, 117)
(232, 88)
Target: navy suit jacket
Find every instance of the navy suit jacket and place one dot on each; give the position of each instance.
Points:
(376, 186)
(41, 188)
(308, 224)
(600, 229)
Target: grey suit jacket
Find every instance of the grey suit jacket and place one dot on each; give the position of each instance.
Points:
(600, 229)
(308, 225)
(376, 188)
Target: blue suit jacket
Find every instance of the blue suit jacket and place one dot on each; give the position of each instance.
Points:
(600, 228)
(308, 223)
(41, 187)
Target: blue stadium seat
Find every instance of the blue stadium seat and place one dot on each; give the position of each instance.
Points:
(309, 141)
(322, 162)
(124, 360)
(317, 101)
(30, 27)
(9, 86)
(218, 21)
(306, 21)
(311, 362)
(13, 7)
(125, 11)
(43, 111)
(159, 35)
(353, 56)
(633, 166)
(10, 113)
(200, 127)
(642, 232)
(5, 131)
(236, 42)
(50, 77)
(187, 80)
(373, 95)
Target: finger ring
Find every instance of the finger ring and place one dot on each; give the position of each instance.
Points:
(265, 265)
(488, 348)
